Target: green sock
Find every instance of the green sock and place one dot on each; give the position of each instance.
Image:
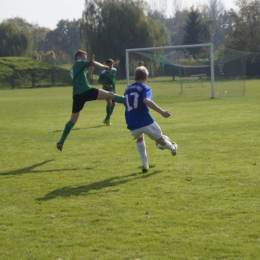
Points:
(111, 110)
(66, 131)
(108, 110)
(119, 99)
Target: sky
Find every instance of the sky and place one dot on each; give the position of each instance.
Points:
(47, 13)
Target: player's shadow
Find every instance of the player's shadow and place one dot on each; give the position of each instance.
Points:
(84, 189)
(32, 169)
(79, 128)
(29, 169)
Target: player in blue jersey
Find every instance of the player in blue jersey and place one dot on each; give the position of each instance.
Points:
(138, 98)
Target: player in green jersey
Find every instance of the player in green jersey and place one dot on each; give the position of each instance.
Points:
(82, 91)
(107, 79)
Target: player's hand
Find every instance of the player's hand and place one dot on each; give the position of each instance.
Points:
(106, 67)
(166, 113)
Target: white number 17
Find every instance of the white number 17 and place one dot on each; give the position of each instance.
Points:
(135, 101)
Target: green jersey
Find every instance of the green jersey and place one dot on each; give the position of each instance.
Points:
(109, 78)
(79, 77)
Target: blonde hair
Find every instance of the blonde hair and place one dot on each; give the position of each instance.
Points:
(141, 73)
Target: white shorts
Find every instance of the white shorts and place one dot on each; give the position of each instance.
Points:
(153, 131)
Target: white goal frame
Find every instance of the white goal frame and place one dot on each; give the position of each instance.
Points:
(210, 45)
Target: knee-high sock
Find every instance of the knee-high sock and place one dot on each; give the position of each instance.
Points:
(111, 110)
(108, 110)
(141, 147)
(169, 146)
(66, 131)
(119, 99)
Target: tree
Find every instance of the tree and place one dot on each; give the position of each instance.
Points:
(213, 17)
(15, 38)
(112, 26)
(176, 6)
(176, 25)
(158, 6)
(215, 9)
(192, 31)
(222, 24)
(244, 32)
(193, 28)
(50, 57)
(39, 36)
(196, 31)
(64, 40)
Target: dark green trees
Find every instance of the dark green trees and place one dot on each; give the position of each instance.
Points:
(15, 38)
(112, 26)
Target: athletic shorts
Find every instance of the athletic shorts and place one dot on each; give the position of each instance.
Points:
(80, 99)
(153, 131)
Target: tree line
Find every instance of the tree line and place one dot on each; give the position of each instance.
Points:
(108, 27)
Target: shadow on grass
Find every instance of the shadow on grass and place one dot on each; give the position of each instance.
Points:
(31, 169)
(80, 128)
(84, 189)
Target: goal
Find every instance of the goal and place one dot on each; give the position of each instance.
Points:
(198, 80)
(191, 70)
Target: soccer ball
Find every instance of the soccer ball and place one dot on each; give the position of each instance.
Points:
(159, 146)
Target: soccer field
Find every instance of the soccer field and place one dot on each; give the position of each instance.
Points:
(91, 200)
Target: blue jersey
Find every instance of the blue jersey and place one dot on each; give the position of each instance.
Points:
(136, 112)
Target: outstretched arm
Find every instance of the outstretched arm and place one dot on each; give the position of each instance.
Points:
(148, 102)
(97, 64)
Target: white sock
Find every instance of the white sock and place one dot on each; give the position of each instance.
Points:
(169, 146)
(141, 147)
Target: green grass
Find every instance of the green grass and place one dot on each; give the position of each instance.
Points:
(91, 201)
(21, 63)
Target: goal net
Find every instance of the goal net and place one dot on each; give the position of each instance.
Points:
(192, 70)
(197, 80)
(230, 72)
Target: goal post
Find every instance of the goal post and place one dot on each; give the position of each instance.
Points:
(172, 60)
